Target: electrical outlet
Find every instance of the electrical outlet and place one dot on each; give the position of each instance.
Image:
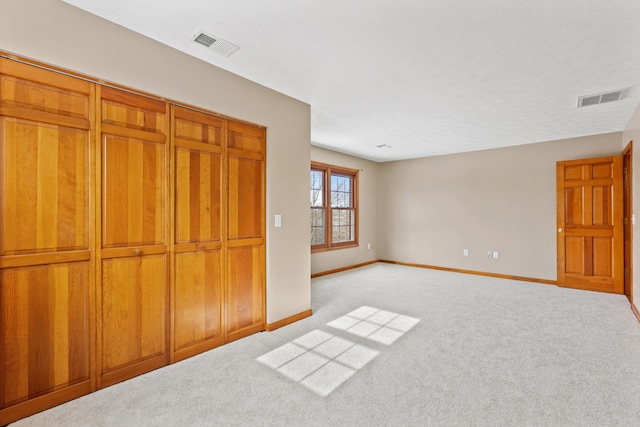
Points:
(465, 252)
(495, 254)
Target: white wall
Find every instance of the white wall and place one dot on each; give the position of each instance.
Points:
(500, 200)
(56, 33)
(368, 209)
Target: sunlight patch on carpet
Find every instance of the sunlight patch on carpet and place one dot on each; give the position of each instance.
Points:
(318, 360)
(377, 325)
(322, 361)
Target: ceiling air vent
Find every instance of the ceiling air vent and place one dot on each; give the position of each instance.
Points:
(214, 43)
(601, 98)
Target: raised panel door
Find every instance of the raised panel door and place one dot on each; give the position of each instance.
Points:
(245, 293)
(589, 220)
(134, 315)
(198, 190)
(134, 192)
(197, 302)
(245, 198)
(44, 184)
(133, 297)
(46, 239)
(44, 318)
(198, 236)
(245, 284)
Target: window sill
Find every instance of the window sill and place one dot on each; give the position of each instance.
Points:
(335, 247)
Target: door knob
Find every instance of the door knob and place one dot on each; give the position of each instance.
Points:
(560, 230)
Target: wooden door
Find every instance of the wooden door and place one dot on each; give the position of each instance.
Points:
(590, 224)
(197, 285)
(46, 255)
(627, 167)
(133, 293)
(245, 284)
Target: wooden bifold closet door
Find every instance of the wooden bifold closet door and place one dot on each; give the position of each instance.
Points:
(132, 235)
(46, 256)
(198, 233)
(219, 236)
(132, 293)
(245, 295)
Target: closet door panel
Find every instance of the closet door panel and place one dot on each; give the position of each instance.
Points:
(134, 192)
(44, 96)
(46, 239)
(198, 311)
(133, 294)
(198, 234)
(198, 191)
(45, 339)
(127, 111)
(245, 198)
(134, 301)
(245, 294)
(44, 183)
(132, 234)
(245, 285)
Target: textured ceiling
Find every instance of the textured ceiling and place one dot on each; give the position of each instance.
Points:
(427, 77)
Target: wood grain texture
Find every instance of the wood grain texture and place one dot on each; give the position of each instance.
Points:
(126, 110)
(245, 290)
(134, 199)
(133, 310)
(590, 224)
(635, 312)
(92, 255)
(338, 270)
(246, 141)
(45, 187)
(133, 304)
(38, 90)
(269, 327)
(245, 198)
(198, 279)
(198, 298)
(199, 127)
(46, 253)
(478, 273)
(245, 231)
(627, 165)
(198, 192)
(45, 340)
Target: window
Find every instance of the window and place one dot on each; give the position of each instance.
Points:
(334, 207)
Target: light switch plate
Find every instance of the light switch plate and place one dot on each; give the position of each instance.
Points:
(278, 220)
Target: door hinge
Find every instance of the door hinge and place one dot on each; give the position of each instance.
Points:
(626, 221)
(624, 171)
(626, 272)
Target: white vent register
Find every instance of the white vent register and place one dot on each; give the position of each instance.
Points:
(601, 98)
(214, 43)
